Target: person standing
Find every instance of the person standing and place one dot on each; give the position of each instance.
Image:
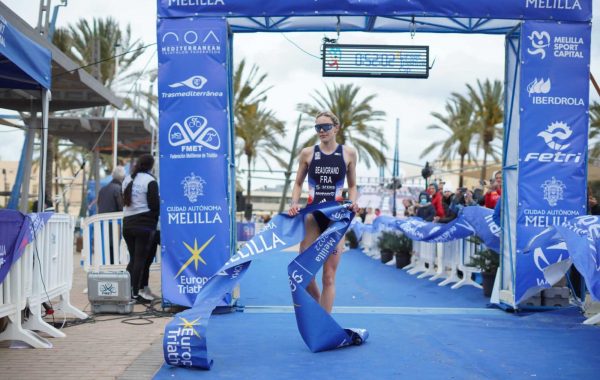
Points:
(327, 165)
(110, 199)
(141, 209)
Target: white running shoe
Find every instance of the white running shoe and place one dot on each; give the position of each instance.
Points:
(143, 294)
(149, 292)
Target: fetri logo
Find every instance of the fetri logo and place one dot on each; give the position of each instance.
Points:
(556, 131)
(555, 136)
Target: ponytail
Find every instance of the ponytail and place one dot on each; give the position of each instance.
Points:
(144, 164)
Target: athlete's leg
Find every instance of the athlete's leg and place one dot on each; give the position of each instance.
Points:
(312, 232)
(329, 270)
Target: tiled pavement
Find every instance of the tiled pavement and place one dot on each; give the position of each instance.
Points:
(105, 349)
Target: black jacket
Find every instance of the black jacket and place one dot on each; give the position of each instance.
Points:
(110, 198)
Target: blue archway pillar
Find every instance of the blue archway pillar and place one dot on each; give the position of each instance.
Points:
(545, 152)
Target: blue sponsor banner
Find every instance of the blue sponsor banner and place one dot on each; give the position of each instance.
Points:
(16, 231)
(194, 152)
(553, 139)
(473, 220)
(185, 339)
(573, 10)
(579, 242)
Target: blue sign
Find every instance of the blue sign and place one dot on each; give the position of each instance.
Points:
(245, 231)
(582, 248)
(553, 138)
(185, 339)
(16, 231)
(194, 141)
(573, 10)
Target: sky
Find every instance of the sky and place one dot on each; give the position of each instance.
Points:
(295, 74)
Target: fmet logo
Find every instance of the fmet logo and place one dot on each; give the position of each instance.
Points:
(556, 138)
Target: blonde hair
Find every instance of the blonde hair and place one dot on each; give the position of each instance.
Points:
(330, 115)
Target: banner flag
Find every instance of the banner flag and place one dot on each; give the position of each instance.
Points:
(574, 10)
(579, 242)
(16, 231)
(554, 101)
(195, 150)
(185, 343)
(474, 220)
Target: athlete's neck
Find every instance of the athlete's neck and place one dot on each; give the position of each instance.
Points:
(328, 147)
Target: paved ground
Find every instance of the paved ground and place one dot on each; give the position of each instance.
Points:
(105, 349)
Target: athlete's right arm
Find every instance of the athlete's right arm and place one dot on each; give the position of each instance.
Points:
(305, 154)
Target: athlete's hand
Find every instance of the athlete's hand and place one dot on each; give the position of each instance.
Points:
(294, 209)
(353, 207)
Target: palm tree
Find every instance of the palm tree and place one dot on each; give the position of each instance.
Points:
(458, 123)
(260, 133)
(257, 129)
(595, 129)
(93, 46)
(356, 118)
(487, 100)
(87, 43)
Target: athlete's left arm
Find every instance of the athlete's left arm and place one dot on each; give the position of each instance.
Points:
(352, 157)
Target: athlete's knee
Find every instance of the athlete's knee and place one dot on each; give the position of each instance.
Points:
(328, 278)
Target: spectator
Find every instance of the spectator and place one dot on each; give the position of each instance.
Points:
(593, 206)
(362, 213)
(141, 209)
(436, 200)
(110, 197)
(447, 200)
(370, 217)
(494, 191)
(377, 212)
(48, 206)
(409, 207)
(424, 209)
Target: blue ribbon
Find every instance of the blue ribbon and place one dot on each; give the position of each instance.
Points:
(580, 237)
(473, 220)
(185, 344)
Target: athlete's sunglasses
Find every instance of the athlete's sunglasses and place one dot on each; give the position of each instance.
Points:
(323, 127)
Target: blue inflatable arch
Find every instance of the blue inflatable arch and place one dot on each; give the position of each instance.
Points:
(545, 127)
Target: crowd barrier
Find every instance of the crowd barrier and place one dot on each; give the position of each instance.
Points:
(44, 272)
(435, 260)
(100, 233)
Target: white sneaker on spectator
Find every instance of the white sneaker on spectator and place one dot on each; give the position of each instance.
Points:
(149, 292)
(143, 294)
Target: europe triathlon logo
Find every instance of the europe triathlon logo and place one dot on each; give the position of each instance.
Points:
(191, 284)
(178, 343)
(189, 88)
